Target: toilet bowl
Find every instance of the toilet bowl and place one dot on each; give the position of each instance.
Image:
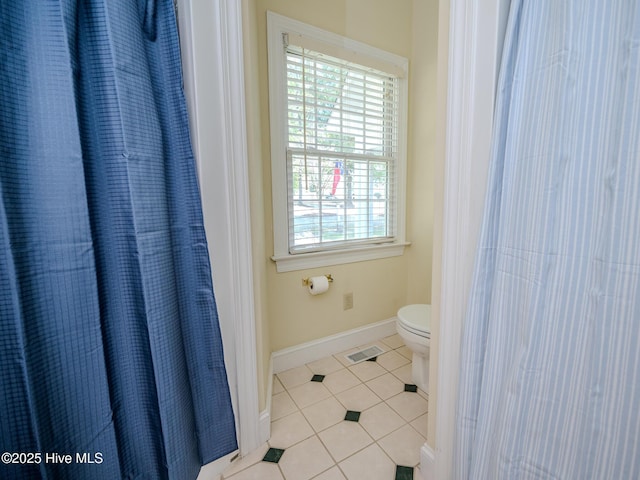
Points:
(414, 327)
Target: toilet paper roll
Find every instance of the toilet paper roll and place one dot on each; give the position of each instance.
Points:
(318, 285)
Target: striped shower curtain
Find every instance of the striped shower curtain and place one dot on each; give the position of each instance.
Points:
(550, 367)
(111, 362)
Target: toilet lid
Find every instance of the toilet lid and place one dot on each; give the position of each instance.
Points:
(416, 318)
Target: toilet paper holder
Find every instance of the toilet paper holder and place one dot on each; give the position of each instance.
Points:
(305, 281)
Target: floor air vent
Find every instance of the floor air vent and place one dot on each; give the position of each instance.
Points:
(366, 354)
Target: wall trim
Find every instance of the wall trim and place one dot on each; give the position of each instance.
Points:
(476, 30)
(290, 263)
(265, 415)
(277, 26)
(232, 67)
(455, 207)
(216, 101)
(304, 353)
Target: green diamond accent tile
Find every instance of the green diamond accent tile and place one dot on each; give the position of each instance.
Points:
(273, 455)
(410, 388)
(404, 473)
(317, 378)
(352, 416)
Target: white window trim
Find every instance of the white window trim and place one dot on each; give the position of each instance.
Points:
(277, 25)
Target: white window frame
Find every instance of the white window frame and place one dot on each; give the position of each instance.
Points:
(341, 47)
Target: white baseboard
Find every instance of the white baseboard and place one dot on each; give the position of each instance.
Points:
(304, 353)
(427, 462)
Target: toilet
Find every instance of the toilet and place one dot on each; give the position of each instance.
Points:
(414, 327)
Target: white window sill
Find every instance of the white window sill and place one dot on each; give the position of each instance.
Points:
(303, 261)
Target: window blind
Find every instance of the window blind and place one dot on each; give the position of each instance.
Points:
(342, 149)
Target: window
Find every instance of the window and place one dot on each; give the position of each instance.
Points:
(338, 116)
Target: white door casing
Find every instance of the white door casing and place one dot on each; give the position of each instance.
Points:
(213, 73)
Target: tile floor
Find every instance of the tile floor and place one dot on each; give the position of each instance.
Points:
(332, 420)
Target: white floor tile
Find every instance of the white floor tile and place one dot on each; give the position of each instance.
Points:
(393, 341)
(282, 405)
(371, 463)
(404, 373)
(295, 376)
(358, 398)
(344, 439)
(403, 446)
(408, 405)
(380, 420)
(309, 393)
(308, 420)
(325, 366)
(386, 386)
(340, 381)
(277, 386)
(260, 471)
(421, 424)
(365, 371)
(423, 394)
(324, 414)
(289, 430)
(405, 352)
(305, 460)
(331, 474)
(392, 360)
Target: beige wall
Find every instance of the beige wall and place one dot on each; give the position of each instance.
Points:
(286, 314)
(422, 134)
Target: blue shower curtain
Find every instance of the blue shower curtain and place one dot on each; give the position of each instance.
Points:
(110, 350)
(550, 366)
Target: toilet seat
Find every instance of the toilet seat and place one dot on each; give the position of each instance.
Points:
(416, 319)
